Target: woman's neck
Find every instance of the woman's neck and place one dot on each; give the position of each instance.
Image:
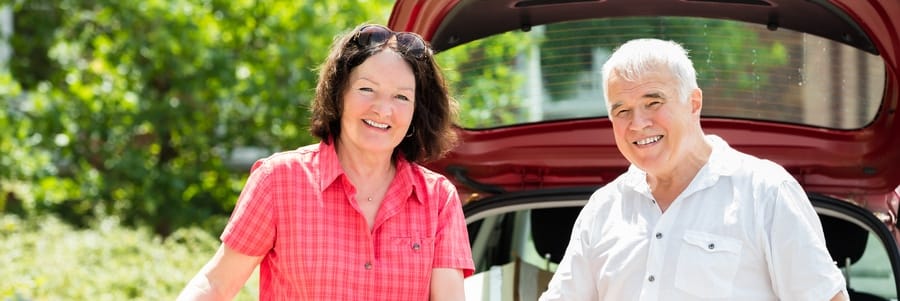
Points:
(361, 163)
(370, 173)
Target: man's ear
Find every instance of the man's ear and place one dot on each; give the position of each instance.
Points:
(696, 101)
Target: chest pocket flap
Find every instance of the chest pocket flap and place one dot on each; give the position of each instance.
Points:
(707, 264)
(712, 242)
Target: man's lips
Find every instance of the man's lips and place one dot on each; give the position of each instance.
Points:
(648, 140)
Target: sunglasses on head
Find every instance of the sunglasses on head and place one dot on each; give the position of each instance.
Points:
(407, 43)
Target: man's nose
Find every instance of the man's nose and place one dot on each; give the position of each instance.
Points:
(640, 119)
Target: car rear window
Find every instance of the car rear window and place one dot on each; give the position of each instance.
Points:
(745, 70)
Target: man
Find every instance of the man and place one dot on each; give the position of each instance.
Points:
(692, 218)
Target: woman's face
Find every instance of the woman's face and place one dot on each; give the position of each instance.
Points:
(378, 104)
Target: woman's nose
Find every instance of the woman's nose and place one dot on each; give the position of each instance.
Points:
(382, 106)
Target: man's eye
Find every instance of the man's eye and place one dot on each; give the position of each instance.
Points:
(622, 113)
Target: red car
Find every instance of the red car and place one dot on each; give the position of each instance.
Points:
(811, 85)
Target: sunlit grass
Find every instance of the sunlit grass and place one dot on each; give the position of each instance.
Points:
(45, 259)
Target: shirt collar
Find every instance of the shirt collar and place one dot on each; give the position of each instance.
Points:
(723, 159)
(330, 171)
(406, 179)
(722, 162)
(329, 165)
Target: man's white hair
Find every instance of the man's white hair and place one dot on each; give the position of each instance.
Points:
(640, 56)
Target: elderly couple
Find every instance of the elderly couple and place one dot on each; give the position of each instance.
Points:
(355, 217)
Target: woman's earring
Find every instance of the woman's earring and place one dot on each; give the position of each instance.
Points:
(412, 129)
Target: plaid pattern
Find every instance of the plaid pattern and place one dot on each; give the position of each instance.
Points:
(297, 210)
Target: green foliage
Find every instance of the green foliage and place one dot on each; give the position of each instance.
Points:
(518, 77)
(45, 259)
(485, 80)
(133, 107)
(721, 44)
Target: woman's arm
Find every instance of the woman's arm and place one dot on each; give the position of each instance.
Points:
(447, 284)
(222, 277)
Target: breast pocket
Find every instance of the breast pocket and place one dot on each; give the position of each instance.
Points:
(707, 264)
(413, 256)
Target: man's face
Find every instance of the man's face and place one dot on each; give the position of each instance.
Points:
(649, 120)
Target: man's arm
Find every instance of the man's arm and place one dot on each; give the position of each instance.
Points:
(222, 277)
(799, 263)
(574, 277)
(840, 297)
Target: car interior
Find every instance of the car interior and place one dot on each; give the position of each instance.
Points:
(795, 82)
(847, 244)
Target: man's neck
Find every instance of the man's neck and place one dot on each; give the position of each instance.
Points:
(667, 186)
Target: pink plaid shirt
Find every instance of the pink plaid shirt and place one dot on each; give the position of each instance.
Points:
(296, 209)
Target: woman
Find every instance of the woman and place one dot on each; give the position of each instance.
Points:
(354, 217)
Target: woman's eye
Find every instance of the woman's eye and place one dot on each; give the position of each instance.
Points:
(402, 97)
(366, 89)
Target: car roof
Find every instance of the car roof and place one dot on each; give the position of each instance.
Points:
(559, 154)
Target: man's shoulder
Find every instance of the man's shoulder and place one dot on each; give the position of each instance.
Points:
(612, 192)
(740, 164)
(761, 169)
(759, 178)
(620, 183)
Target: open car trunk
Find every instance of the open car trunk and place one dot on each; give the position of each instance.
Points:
(518, 239)
(813, 85)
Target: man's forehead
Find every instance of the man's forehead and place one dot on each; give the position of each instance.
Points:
(647, 88)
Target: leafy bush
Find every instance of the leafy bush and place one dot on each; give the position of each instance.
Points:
(107, 100)
(45, 259)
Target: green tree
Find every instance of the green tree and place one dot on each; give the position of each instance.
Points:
(490, 75)
(484, 80)
(569, 46)
(132, 107)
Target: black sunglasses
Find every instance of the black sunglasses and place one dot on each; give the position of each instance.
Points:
(407, 43)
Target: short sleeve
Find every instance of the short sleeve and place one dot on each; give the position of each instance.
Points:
(800, 265)
(452, 248)
(251, 228)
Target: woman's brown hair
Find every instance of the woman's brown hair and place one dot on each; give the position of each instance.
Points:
(431, 133)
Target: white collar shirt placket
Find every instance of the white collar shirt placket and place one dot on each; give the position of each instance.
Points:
(658, 228)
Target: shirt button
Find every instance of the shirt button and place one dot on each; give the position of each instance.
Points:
(658, 235)
(653, 201)
(711, 246)
(368, 265)
(651, 278)
(416, 246)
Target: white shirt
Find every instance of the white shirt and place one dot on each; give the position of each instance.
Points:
(742, 230)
